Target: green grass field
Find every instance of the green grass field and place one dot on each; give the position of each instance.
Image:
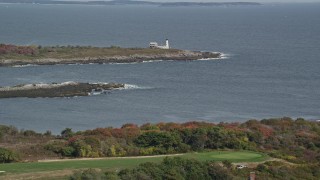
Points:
(119, 163)
(233, 156)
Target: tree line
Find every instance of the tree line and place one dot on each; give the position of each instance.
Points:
(296, 140)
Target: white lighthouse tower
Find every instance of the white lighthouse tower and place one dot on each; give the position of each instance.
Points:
(167, 44)
(155, 45)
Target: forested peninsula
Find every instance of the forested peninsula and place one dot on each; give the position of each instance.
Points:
(12, 55)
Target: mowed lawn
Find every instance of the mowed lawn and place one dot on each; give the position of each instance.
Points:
(233, 156)
(120, 163)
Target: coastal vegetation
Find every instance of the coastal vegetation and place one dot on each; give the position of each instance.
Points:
(296, 141)
(11, 55)
(294, 144)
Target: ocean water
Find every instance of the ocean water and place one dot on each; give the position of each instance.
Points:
(272, 69)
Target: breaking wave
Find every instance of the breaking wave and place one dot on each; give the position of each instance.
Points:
(126, 87)
(27, 65)
(133, 86)
(223, 56)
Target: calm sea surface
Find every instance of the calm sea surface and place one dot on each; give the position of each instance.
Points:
(272, 69)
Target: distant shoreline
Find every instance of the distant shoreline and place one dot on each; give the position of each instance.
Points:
(11, 55)
(130, 2)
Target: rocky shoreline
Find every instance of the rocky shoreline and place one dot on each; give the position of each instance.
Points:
(66, 89)
(182, 55)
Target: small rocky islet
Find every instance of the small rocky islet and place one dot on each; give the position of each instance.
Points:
(66, 89)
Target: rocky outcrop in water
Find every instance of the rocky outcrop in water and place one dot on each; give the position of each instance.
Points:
(67, 89)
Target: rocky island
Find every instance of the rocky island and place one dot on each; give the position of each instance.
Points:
(66, 89)
(12, 55)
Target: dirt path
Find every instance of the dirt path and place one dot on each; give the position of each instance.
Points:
(105, 158)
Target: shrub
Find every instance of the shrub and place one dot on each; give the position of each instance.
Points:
(55, 146)
(67, 133)
(111, 175)
(89, 174)
(67, 151)
(227, 164)
(8, 156)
